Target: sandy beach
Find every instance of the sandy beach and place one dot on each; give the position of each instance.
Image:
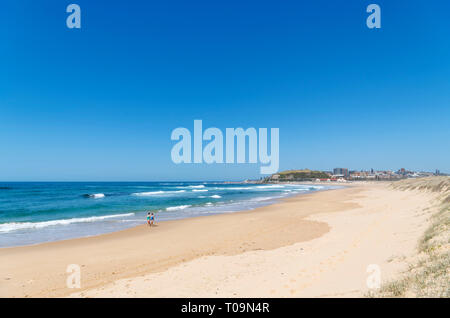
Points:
(313, 245)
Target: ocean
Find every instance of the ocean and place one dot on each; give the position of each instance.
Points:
(37, 212)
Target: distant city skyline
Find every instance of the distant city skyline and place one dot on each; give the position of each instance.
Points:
(99, 103)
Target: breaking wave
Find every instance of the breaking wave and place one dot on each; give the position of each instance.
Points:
(95, 195)
(178, 207)
(146, 194)
(9, 227)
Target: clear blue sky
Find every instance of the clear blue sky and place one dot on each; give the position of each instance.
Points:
(100, 103)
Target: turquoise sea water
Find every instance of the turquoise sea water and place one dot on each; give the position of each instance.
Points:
(35, 212)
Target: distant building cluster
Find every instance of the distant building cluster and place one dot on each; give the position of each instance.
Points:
(341, 173)
(402, 173)
(344, 175)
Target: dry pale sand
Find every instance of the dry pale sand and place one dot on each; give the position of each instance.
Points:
(317, 244)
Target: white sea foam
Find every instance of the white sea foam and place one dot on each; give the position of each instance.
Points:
(215, 196)
(178, 207)
(273, 186)
(146, 194)
(198, 190)
(95, 195)
(241, 188)
(316, 187)
(263, 199)
(196, 186)
(234, 188)
(9, 227)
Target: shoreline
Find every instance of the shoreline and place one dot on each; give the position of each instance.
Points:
(181, 239)
(244, 209)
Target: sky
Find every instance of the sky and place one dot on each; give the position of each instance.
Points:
(99, 103)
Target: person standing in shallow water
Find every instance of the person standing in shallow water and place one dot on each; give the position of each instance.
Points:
(148, 219)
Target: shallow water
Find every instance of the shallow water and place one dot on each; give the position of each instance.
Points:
(34, 212)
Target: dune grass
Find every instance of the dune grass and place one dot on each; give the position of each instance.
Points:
(429, 273)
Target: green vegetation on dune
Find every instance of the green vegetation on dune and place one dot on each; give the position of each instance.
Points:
(429, 276)
(298, 175)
